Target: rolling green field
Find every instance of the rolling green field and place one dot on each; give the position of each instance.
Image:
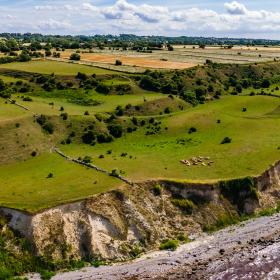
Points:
(107, 102)
(32, 191)
(10, 112)
(8, 79)
(58, 68)
(148, 151)
(255, 143)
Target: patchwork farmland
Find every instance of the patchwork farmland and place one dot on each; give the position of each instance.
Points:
(182, 57)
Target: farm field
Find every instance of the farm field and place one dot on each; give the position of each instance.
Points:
(181, 58)
(133, 60)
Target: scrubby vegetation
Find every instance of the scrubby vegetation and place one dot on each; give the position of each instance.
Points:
(169, 245)
(184, 204)
(199, 84)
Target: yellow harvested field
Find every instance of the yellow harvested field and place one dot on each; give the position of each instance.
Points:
(139, 61)
(182, 57)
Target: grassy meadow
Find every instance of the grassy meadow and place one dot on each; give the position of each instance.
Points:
(255, 142)
(58, 68)
(107, 103)
(25, 186)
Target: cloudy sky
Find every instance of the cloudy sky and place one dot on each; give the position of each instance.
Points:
(250, 18)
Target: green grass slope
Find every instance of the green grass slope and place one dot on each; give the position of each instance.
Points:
(58, 68)
(25, 185)
(254, 146)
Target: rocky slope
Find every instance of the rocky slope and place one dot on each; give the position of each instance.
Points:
(123, 223)
(246, 251)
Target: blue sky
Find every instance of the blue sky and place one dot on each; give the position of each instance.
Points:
(254, 19)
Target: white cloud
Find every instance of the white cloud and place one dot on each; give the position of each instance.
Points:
(235, 8)
(124, 10)
(89, 7)
(45, 8)
(52, 24)
(88, 17)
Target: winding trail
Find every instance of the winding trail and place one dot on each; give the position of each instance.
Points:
(250, 250)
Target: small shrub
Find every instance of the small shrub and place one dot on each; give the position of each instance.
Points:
(104, 138)
(135, 251)
(192, 130)
(114, 173)
(102, 89)
(97, 263)
(143, 122)
(81, 76)
(48, 127)
(167, 110)
(169, 245)
(75, 56)
(226, 140)
(47, 275)
(27, 98)
(221, 222)
(33, 154)
(184, 204)
(88, 137)
(41, 120)
(72, 134)
(157, 190)
(116, 130)
(119, 111)
(64, 116)
(181, 237)
(118, 62)
(87, 159)
(134, 121)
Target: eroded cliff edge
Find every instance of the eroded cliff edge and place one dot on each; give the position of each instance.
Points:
(120, 224)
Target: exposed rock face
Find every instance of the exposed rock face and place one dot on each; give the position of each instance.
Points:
(268, 185)
(119, 224)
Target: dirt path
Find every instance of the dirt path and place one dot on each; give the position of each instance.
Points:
(250, 250)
